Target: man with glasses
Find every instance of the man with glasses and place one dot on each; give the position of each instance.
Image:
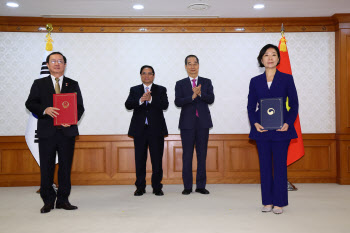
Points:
(52, 139)
(148, 127)
(193, 95)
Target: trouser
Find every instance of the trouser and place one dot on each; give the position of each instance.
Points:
(191, 137)
(64, 146)
(156, 148)
(273, 172)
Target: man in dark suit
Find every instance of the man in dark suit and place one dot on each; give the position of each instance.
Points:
(192, 95)
(54, 138)
(148, 128)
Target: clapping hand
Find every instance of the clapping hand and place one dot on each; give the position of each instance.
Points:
(146, 96)
(196, 91)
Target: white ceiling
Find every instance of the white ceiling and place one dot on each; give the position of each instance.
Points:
(175, 8)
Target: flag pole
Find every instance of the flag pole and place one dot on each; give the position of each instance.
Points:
(290, 185)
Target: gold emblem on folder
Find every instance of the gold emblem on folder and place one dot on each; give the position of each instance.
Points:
(270, 111)
(65, 104)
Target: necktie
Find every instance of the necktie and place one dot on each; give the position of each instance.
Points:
(57, 86)
(146, 122)
(146, 92)
(194, 85)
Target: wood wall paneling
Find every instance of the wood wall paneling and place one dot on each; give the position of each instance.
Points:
(102, 159)
(342, 81)
(318, 164)
(17, 165)
(123, 163)
(241, 162)
(344, 162)
(177, 25)
(347, 75)
(342, 91)
(91, 163)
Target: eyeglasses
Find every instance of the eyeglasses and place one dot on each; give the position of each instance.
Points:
(144, 73)
(58, 61)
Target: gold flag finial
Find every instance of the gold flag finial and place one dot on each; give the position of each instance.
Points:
(49, 39)
(283, 45)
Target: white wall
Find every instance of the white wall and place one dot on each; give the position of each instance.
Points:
(106, 65)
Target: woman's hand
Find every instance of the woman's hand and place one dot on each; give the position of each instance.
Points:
(284, 127)
(259, 128)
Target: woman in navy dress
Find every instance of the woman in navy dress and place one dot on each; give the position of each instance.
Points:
(272, 144)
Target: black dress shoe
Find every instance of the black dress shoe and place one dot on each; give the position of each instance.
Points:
(139, 192)
(202, 191)
(66, 206)
(187, 191)
(46, 208)
(158, 192)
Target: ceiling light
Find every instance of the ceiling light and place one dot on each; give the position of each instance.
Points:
(12, 4)
(198, 6)
(259, 6)
(138, 7)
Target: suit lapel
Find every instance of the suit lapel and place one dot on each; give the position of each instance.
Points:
(264, 82)
(142, 89)
(275, 81)
(153, 89)
(188, 85)
(49, 84)
(199, 81)
(65, 85)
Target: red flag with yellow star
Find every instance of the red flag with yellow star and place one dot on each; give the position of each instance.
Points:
(296, 147)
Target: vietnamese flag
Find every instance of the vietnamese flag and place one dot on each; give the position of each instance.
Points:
(296, 147)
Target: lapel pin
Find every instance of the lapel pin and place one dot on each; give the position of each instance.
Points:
(66, 84)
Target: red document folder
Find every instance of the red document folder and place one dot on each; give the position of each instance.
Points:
(67, 103)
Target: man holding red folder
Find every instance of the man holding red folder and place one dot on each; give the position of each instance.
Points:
(54, 138)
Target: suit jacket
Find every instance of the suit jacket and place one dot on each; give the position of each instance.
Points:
(282, 86)
(183, 99)
(41, 97)
(153, 111)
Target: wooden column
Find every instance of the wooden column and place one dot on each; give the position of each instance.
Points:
(342, 90)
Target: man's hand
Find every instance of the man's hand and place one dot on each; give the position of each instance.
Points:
(65, 125)
(146, 96)
(52, 112)
(259, 128)
(196, 91)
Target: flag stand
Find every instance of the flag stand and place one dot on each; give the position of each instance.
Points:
(291, 187)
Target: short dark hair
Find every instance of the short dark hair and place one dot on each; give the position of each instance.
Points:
(48, 57)
(263, 51)
(191, 56)
(147, 66)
